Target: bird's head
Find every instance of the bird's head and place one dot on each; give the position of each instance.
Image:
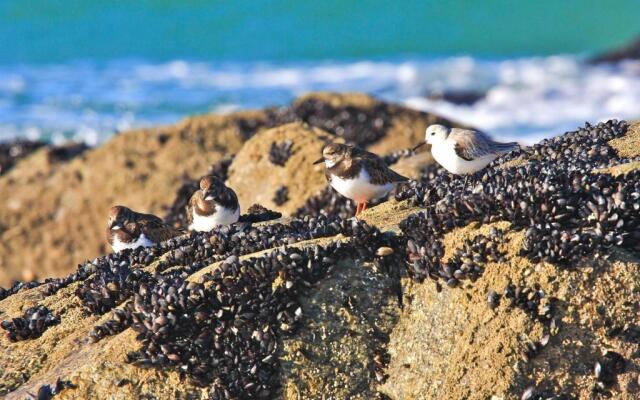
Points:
(211, 187)
(333, 154)
(436, 133)
(119, 216)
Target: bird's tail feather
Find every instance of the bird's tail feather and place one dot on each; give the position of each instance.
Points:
(507, 147)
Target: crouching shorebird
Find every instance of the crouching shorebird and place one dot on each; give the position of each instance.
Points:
(463, 151)
(214, 204)
(128, 229)
(358, 174)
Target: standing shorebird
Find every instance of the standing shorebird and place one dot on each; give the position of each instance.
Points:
(214, 204)
(128, 229)
(463, 151)
(358, 174)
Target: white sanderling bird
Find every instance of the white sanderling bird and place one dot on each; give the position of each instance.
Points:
(463, 151)
(358, 174)
(127, 229)
(212, 205)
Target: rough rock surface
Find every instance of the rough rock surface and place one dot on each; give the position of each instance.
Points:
(255, 178)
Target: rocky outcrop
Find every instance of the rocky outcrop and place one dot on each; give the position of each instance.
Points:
(631, 51)
(429, 295)
(256, 178)
(53, 213)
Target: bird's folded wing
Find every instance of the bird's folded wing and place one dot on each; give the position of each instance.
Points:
(189, 209)
(229, 199)
(378, 170)
(156, 230)
(470, 145)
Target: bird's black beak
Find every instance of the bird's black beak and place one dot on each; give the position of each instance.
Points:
(318, 161)
(418, 146)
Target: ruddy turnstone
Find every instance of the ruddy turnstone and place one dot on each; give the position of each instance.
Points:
(214, 204)
(463, 151)
(358, 174)
(128, 229)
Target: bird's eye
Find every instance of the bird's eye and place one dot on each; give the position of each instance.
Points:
(433, 133)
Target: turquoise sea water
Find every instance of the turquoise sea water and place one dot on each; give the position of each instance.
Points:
(47, 31)
(84, 69)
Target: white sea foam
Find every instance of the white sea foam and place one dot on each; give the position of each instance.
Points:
(526, 99)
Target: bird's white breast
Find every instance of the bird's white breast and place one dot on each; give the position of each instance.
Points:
(222, 216)
(445, 154)
(360, 188)
(142, 241)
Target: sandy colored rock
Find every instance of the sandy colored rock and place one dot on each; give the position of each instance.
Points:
(621, 169)
(255, 178)
(469, 351)
(53, 216)
(350, 314)
(629, 145)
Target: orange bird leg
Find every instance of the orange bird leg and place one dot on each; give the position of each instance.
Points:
(364, 206)
(358, 208)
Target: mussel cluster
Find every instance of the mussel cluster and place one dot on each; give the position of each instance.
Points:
(115, 277)
(607, 368)
(467, 263)
(361, 126)
(327, 202)
(110, 286)
(46, 392)
(280, 152)
(16, 287)
(529, 300)
(258, 213)
(12, 151)
(223, 331)
(32, 324)
(281, 195)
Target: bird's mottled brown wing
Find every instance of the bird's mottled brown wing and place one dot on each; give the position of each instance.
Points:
(189, 209)
(155, 229)
(109, 237)
(378, 170)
